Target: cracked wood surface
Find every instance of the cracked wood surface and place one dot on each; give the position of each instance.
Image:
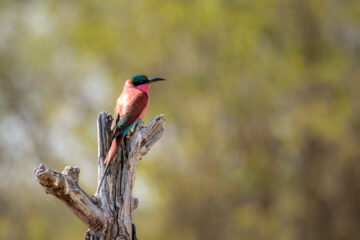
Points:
(108, 212)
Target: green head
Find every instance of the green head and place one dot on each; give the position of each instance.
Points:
(140, 79)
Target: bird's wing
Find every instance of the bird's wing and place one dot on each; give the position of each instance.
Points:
(131, 111)
(117, 111)
(114, 123)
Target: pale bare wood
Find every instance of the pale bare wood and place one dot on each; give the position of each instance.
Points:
(108, 213)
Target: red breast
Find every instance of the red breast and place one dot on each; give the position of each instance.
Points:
(129, 95)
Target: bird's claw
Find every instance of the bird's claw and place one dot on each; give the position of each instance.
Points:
(141, 122)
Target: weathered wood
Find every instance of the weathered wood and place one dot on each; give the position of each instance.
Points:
(108, 212)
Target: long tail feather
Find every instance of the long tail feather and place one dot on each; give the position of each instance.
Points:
(109, 157)
(113, 149)
(103, 177)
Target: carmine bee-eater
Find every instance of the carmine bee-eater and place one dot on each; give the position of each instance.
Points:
(131, 106)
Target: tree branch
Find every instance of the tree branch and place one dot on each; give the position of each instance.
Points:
(64, 186)
(108, 213)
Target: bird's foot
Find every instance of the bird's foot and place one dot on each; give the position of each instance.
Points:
(141, 122)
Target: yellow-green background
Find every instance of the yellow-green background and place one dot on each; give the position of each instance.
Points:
(262, 105)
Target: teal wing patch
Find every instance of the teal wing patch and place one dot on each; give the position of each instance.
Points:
(123, 126)
(133, 109)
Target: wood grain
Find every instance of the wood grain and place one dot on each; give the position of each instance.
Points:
(108, 213)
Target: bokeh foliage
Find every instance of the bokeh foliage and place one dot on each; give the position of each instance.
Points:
(262, 106)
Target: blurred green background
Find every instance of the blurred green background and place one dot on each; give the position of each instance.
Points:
(262, 105)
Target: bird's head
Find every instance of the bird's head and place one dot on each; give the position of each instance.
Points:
(142, 82)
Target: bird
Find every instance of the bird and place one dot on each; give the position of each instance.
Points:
(131, 106)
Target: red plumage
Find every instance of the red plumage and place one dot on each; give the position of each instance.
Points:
(131, 105)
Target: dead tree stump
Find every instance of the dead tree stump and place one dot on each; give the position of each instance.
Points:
(108, 212)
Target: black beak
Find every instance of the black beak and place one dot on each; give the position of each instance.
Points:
(151, 80)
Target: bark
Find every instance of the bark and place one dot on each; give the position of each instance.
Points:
(108, 212)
